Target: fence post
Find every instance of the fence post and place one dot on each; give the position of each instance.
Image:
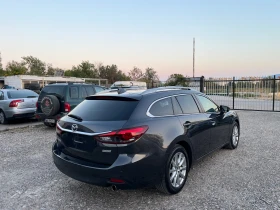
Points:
(233, 90)
(274, 86)
(202, 84)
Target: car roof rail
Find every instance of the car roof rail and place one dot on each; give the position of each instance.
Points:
(167, 88)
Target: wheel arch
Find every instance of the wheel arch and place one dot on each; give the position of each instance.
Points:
(186, 145)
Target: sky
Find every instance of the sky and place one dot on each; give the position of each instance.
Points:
(233, 37)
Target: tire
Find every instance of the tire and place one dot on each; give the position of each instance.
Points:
(166, 186)
(3, 119)
(50, 105)
(234, 137)
(51, 125)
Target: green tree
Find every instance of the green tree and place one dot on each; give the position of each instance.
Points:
(15, 68)
(135, 74)
(34, 65)
(51, 71)
(112, 73)
(176, 79)
(83, 70)
(150, 75)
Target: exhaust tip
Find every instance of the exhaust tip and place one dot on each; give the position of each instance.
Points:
(114, 188)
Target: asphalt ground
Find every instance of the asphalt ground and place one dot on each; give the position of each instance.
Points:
(245, 178)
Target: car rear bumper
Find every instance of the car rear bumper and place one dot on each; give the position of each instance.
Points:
(135, 170)
(20, 113)
(43, 117)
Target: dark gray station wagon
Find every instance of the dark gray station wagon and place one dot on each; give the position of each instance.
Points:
(135, 139)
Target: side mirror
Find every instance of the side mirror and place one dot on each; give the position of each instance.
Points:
(224, 109)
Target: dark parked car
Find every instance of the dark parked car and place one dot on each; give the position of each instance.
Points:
(130, 140)
(57, 100)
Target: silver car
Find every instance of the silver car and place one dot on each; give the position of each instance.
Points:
(16, 104)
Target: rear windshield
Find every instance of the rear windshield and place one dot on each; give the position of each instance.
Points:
(104, 110)
(59, 90)
(21, 94)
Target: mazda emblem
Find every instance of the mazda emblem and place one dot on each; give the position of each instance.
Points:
(74, 127)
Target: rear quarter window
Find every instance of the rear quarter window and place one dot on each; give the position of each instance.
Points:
(162, 107)
(104, 110)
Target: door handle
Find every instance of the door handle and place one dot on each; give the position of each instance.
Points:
(213, 123)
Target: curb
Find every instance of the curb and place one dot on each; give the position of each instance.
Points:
(39, 124)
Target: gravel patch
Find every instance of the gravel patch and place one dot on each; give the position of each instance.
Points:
(245, 178)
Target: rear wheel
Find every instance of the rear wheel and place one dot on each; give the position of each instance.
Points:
(3, 119)
(176, 171)
(234, 138)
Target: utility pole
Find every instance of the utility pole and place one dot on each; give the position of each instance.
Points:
(1, 66)
(193, 54)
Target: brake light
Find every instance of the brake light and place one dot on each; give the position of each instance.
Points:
(36, 104)
(122, 136)
(58, 130)
(15, 103)
(67, 107)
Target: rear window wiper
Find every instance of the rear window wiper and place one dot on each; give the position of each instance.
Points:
(75, 117)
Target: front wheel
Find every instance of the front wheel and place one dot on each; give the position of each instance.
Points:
(234, 138)
(176, 171)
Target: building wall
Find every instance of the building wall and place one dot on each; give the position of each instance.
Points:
(14, 81)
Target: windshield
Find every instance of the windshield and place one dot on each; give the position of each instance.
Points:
(22, 94)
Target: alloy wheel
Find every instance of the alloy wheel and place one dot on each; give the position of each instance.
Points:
(178, 169)
(235, 135)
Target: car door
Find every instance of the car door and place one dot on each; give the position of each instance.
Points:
(217, 121)
(194, 122)
(2, 100)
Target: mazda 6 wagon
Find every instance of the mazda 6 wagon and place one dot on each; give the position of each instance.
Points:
(142, 138)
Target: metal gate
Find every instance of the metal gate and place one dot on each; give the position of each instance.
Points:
(259, 94)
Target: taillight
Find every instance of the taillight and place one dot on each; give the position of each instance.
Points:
(122, 136)
(15, 103)
(67, 107)
(58, 130)
(36, 104)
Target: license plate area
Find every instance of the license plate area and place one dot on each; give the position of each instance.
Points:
(50, 120)
(81, 142)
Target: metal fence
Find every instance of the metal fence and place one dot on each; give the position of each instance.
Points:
(259, 94)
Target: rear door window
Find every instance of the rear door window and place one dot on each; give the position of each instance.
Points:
(176, 106)
(162, 107)
(90, 90)
(21, 94)
(74, 92)
(84, 93)
(187, 104)
(105, 110)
